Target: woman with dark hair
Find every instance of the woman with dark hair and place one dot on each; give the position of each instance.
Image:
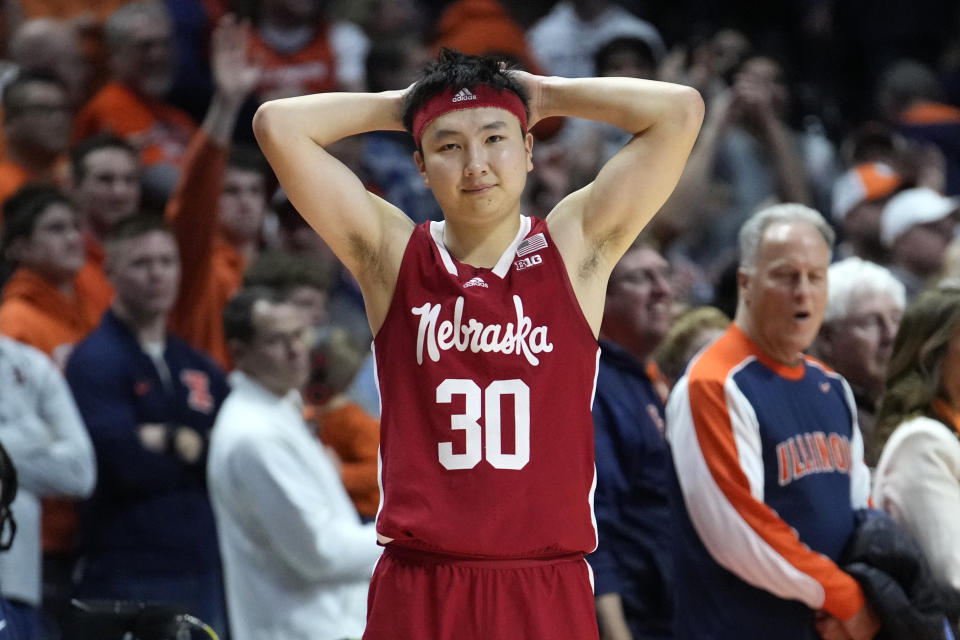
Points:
(917, 479)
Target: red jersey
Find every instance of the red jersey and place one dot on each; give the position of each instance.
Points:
(486, 383)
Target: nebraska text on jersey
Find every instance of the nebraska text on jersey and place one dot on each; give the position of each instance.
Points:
(522, 338)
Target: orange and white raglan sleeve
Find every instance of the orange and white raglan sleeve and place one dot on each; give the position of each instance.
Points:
(715, 442)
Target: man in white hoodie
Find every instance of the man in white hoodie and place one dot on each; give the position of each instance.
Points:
(42, 431)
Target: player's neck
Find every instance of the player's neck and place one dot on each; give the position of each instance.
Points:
(480, 245)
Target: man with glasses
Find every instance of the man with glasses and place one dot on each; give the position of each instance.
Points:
(864, 306)
(139, 37)
(36, 126)
(632, 567)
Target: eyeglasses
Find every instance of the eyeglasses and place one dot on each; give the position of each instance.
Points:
(37, 111)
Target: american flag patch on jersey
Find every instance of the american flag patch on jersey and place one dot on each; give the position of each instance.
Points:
(531, 244)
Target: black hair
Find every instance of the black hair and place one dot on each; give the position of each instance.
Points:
(905, 81)
(139, 224)
(12, 92)
(24, 207)
(284, 272)
(247, 157)
(639, 46)
(238, 312)
(288, 217)
(95, 143)
(385, 62)
(456, 70)
(8, 493)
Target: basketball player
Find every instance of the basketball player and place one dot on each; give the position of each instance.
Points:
(485, 328)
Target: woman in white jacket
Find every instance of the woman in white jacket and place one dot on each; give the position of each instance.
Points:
(917, 480)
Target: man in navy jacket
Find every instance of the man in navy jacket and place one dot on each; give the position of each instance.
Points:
(632, 565)
(149, 402)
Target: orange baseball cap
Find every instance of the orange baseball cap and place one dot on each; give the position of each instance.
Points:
(863, 183)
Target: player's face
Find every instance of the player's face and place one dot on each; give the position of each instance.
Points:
(476, 161)
(786, 292)
(278, 355)
(860, 344)
(145, 271)
(639, 304)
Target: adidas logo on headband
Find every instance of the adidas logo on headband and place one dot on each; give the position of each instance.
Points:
(476, 97)
(463, 95)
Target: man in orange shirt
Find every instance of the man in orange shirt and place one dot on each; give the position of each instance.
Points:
(47, 44)
(139, 37)
(303, 52)
(36, 125)
(45, 304)
(219, 233)
(218, 208)
(213, 186)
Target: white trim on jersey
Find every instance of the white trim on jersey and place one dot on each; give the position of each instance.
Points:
(860, 481)
(501, 269)
(593, 586)
(436, 232)
(376, 379)
(743, 421)
(593, 487)
(726, 535)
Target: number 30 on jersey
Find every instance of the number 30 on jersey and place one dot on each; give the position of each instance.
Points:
(486, 403)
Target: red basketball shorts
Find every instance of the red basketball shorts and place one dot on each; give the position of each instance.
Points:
(422, 596)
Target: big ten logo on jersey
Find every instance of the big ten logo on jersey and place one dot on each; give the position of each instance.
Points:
(808, 453)
(529, 261)
(529, 246)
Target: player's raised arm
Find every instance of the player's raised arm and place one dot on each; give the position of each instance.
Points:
(597, 223)
(366, 233)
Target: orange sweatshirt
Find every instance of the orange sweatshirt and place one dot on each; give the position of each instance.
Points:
(13, 176)
(92, 282)
(35, 312)
(212, 269)
(311, 69)
(355, 436)
(160, 131)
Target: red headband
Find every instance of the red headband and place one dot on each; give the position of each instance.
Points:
(482, 95)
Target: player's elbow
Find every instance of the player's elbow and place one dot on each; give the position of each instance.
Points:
(689, 108)
(265, 121)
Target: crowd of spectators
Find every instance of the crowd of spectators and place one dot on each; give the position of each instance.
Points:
(135, 204)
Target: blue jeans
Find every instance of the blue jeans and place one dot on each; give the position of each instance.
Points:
(22, 621)
(200, 594)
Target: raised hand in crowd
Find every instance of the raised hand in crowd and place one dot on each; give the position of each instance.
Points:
(234, 74)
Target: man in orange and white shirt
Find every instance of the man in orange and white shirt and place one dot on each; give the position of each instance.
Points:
(768, 455)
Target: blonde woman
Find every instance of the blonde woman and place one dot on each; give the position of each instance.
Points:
(917, 479)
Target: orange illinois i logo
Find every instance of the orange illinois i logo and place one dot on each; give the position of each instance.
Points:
(197, 383)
